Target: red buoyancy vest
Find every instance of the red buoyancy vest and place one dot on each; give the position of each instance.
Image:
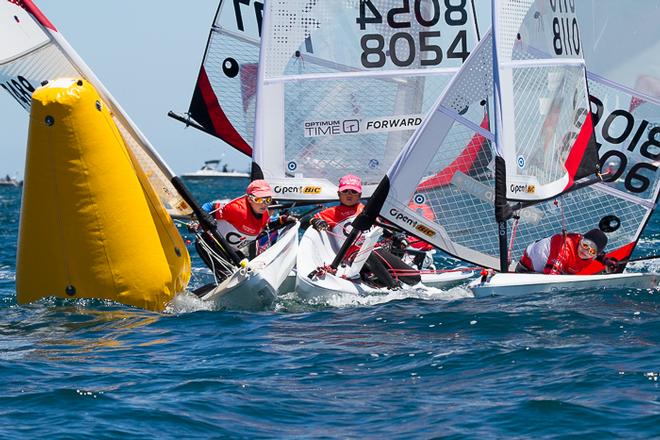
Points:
(339, 219)
(238, 223)
(556, 255)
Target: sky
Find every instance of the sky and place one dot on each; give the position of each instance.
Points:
(148, 54)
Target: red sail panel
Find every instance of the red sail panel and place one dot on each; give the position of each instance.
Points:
(207, 110)
(584, 147)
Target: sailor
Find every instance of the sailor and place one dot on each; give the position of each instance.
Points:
(243, 219)
(565, 254)
(337, 220)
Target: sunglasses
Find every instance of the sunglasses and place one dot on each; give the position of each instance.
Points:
(265, 200)
(349, 191)
(586, 247)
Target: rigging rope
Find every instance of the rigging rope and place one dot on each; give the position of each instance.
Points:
(513, 238)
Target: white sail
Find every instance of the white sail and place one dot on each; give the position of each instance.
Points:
(224, 100)
(343, 85)
(34, 51)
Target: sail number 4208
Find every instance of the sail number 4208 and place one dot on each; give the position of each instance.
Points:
(403, 46)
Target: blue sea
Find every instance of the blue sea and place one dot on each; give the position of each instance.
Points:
(561, 366)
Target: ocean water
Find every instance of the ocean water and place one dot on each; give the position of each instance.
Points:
(582, 365)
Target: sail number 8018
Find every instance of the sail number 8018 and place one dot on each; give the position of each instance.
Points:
(624, 121)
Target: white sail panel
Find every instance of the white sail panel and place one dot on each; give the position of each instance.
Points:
(24, 69)
(540, 79)
(343, 85)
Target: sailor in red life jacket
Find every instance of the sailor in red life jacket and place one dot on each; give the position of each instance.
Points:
(564, 254)
(243, 219)
(338, 219)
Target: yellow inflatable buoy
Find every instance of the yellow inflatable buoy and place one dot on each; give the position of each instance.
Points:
(91, 225)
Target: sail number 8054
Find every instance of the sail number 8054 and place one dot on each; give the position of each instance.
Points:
(403, 46)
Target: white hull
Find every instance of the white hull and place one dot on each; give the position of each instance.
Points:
(515, 284)
(445, 280)
(257, 287)
(315, 251)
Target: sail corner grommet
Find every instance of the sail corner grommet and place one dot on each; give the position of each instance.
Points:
(80, 83)
(70, 290)
(49, 120)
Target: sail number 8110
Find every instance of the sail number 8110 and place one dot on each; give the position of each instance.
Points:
(402, 46)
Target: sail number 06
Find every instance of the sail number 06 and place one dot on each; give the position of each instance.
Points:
(374, 54)
(649, 149)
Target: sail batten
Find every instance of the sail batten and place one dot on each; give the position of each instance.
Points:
(361, 74)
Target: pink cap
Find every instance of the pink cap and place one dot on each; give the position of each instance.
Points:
(259, 188)
(350, 181)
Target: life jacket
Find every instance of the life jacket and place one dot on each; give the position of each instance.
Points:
(339, 219)
(426, 211)
(238, 224)
(556, 255)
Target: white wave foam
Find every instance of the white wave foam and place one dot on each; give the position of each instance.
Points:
(187, 302)
(7, 273)
(341, 300)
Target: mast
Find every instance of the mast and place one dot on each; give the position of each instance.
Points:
(500, 165)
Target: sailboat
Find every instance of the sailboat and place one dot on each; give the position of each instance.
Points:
(36, 59)
(308, 103)
(536, 168)
(341, 86)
